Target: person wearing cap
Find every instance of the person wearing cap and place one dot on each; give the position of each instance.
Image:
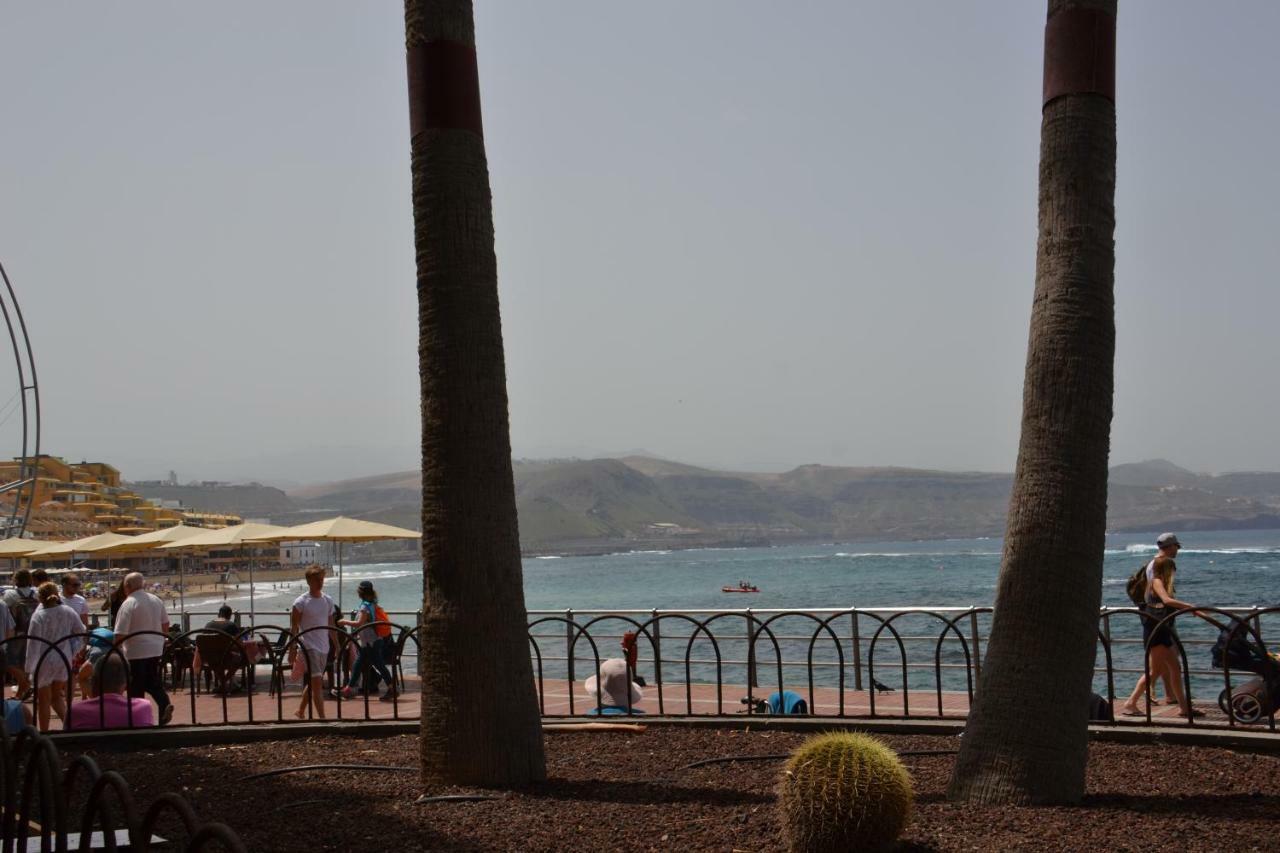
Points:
(370, 662)
(1160, 639)
(613, 692)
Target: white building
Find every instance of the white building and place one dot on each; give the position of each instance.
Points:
(299, 553)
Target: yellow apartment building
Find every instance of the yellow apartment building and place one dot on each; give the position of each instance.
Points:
(73, 500)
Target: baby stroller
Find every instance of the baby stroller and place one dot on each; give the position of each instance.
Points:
(1258, 697)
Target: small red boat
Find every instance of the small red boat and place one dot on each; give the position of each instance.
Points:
(742, 586)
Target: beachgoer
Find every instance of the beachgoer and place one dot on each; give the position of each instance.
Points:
(17, 716)
(72, 598)
(21, 602)
(114, 601)
(53, 628)
(6, 634)
(143, 612)
(224, 622)
(101, 641)
(110, 709)
(631, 652)
(371, 658)
(312, 610)
(1160, 638)
(616, 691)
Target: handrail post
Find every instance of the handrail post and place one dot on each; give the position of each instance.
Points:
(568, 648)
(857, 650)
(1106, 636)
(751, 652)
(656, 633)
(977, 648)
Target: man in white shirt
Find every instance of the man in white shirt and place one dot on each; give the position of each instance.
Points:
(312, 610)
(72, 598)
(142, 611)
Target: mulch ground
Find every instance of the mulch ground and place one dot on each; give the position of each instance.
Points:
(612, 791)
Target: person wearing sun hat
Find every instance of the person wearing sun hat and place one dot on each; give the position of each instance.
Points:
(617, 693)
(1160, 636)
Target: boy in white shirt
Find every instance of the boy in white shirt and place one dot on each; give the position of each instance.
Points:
(313, 609)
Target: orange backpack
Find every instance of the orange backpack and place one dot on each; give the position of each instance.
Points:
(380, 615)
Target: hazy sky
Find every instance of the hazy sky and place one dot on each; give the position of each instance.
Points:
(736, 233)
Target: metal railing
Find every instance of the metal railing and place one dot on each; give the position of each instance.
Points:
(905, 662)
(64, 809)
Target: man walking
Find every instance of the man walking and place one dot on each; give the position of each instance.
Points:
(142, 611)
(21, 603)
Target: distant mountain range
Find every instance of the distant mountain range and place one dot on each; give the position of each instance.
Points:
(587, 505)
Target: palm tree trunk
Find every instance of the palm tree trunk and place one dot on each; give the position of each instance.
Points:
(1027, 736)
(480, 722)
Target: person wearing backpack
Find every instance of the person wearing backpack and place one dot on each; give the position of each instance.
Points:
(1160, 639)
(372, 639)
(21, 602)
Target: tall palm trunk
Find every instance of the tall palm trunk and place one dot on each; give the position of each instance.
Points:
(479, 710)
(1027, 735)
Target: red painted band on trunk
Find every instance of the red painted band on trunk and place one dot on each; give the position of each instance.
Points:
(1080, 54)
(444, 87)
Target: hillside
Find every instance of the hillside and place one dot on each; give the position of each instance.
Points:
(601, 504)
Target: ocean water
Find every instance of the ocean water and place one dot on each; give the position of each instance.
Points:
(1214, 568)
(1225, 568)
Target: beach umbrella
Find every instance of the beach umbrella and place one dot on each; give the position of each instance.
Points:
(153, 540)
(238, 535)
(16, 546)
(87, 545)
(342, 529)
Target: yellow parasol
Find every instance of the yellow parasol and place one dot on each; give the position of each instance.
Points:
(87, 545)
(342, 529)
(16, 546)
(156, 538)
(240, 535)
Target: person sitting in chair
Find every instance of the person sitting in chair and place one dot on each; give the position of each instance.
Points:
(110, 709)
(616, 693)
(224, 622)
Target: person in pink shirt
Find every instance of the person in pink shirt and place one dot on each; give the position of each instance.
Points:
(111, 708)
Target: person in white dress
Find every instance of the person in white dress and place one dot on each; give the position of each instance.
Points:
(51, 636)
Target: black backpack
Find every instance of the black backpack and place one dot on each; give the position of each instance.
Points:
(22, 610)
(1137, 586)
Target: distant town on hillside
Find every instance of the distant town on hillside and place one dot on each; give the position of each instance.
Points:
(595, 505)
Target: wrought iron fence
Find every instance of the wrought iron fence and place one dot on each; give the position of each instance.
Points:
(67, 809)
(855, 662)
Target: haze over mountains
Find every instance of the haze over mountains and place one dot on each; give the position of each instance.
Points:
(583, 505)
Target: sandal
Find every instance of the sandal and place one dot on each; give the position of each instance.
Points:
(1194, 713)
(1132, 712)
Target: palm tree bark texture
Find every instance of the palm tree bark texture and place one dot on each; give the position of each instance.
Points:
(480, 722)
(1026, 740)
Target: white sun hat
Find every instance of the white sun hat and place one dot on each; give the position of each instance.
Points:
(613, 684)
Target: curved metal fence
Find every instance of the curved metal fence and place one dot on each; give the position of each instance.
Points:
(918, 663)
(44, 807)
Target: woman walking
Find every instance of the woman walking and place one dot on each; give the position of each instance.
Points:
(1159, 636)
(372, 640)
(52, 638)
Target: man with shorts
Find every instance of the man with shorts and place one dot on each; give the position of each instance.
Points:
(312, 622)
